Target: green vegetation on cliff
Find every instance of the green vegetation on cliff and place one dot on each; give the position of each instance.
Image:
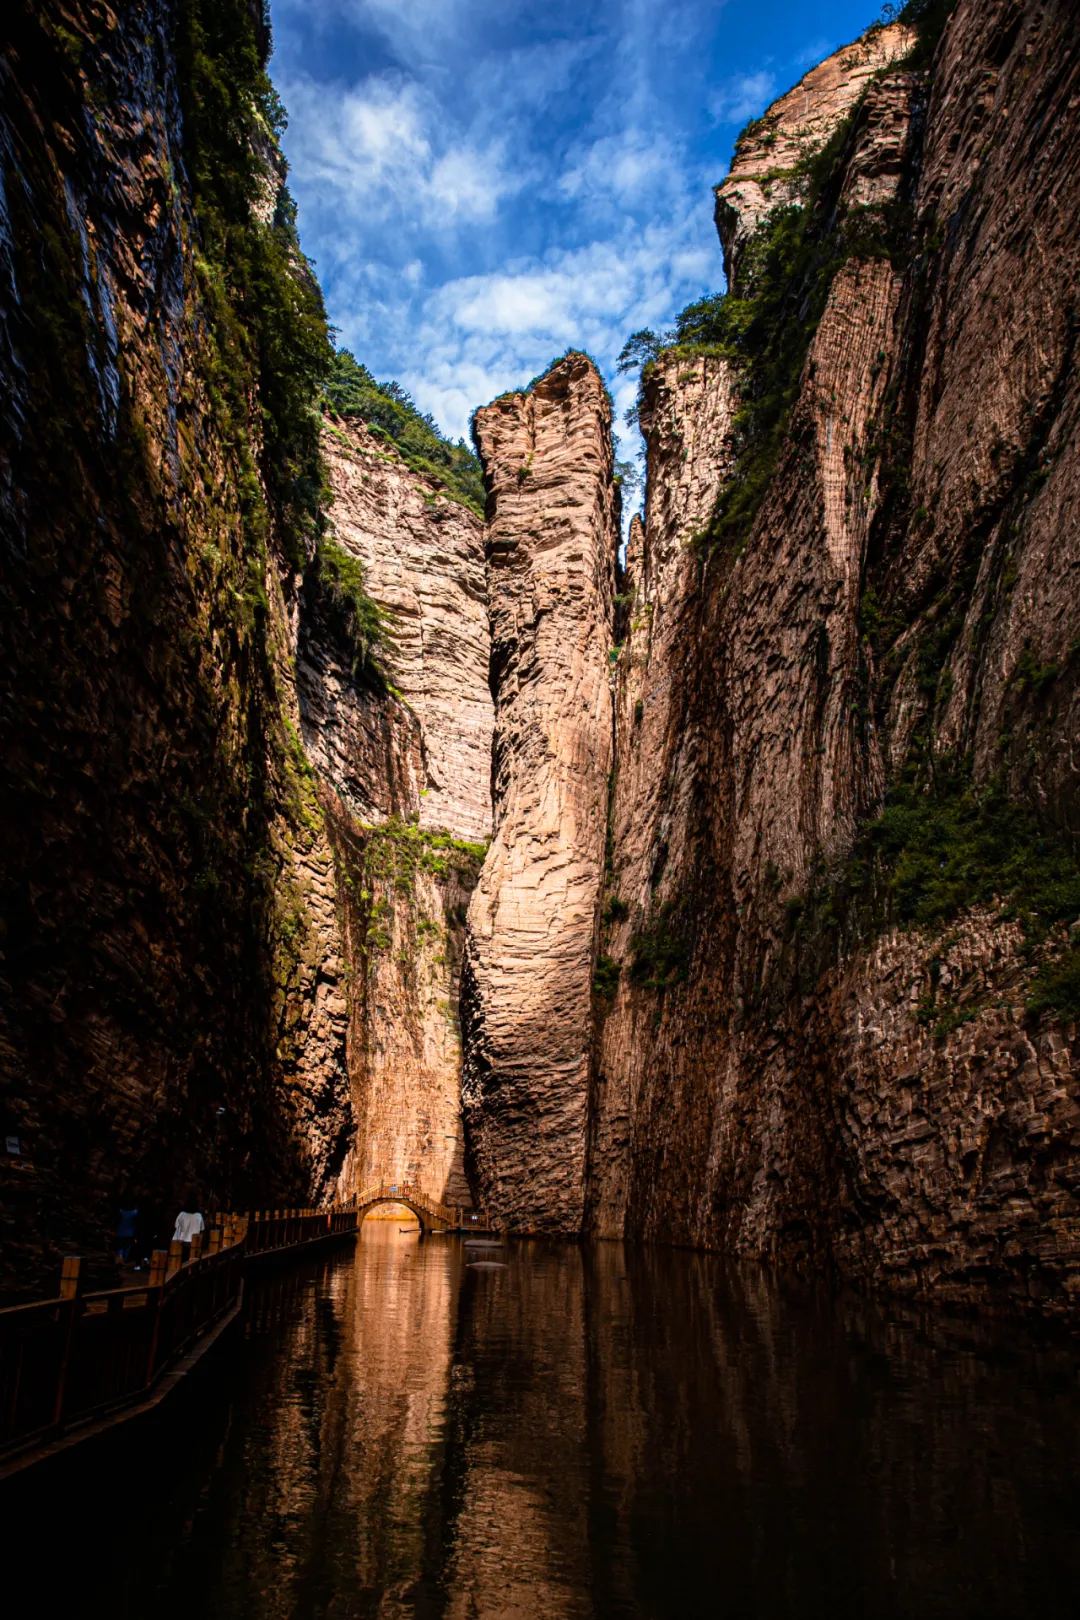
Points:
(266, 310)
(335, 581)
(387, 409)
(938, 849)
(164, 350)
(379, 867)
(765, 323)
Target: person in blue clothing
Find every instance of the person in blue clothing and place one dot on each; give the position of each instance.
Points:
(125, 1229)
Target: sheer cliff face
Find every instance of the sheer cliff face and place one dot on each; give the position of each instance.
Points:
(901, 604)
(405, 777)
(894, 1110)
(663, 749)
(995, 402)
(173, 1001)
(532, 923)
(423, 559)
(765, 171)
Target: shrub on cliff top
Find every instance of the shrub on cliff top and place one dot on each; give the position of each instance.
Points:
(928, 18)
(766, 321)
(351, 390)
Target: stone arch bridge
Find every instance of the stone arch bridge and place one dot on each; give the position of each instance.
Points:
(432, 1215)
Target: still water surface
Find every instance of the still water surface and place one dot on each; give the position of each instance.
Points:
(594, 1431)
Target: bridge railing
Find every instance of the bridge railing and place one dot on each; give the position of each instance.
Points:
(65, 1362)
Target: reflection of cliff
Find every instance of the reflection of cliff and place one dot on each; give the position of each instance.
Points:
(404, 775)
(516, 1423)
(610, 1430)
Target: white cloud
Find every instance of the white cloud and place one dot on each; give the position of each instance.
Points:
(743, 96)
(496, 197)
(628, 167)
(479, 335)
(378, 150)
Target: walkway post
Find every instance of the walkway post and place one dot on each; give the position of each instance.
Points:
(159, 1266)
(69, 1294)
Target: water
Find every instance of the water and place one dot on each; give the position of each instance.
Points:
(591, 1431)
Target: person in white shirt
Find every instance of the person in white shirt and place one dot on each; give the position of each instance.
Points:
(188, 1223)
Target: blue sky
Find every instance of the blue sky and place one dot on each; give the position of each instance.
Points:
(484, 183)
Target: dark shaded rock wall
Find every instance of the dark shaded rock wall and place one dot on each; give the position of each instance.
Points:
(173, 1003)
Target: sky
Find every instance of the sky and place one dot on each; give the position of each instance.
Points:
(483, 184)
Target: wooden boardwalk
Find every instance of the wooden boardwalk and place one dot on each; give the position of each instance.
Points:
(76, 1365)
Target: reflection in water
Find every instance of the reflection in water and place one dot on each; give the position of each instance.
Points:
(593, 1431)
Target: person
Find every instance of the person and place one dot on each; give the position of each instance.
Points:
(125, 1229)
(188, 1223)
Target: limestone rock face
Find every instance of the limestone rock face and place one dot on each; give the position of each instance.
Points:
(743, 759)
(406, 788)
(553, 525)
(660, 745)
(880, 1103)
(764, 172)
(423, 559)
(403, 900)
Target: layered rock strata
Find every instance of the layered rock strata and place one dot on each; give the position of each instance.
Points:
(405, 773)
(771, 156)
(423, 558)
(552, 539)
(661, 749)
(897, 1112)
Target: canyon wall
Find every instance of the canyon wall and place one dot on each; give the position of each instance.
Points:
(404, 767)
(530, 955)
(240, 849)
(173, 996)
(774, 945)
(901, 608)
(834, 998)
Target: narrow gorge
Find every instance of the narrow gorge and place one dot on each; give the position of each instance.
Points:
(370, 819)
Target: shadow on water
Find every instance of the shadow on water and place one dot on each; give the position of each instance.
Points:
(589, 1431)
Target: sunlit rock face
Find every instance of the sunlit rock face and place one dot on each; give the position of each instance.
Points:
(883, 1104)
(552, 538)
(423, 559)
(767, 169)
(405, 774)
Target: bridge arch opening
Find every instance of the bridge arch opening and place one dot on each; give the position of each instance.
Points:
(394, 1207)
(433, 1215)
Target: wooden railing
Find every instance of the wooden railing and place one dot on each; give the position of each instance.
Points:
(267, 1229)
(65, 1362)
